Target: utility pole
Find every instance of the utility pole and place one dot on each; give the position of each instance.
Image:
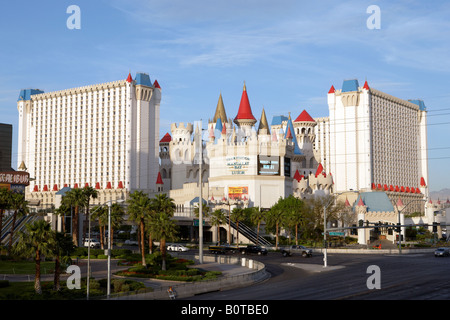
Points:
(200, 200)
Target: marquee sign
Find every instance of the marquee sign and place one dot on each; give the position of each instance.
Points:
(15, 177)
(237, 164)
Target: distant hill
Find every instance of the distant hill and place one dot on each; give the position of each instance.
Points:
(443, 194)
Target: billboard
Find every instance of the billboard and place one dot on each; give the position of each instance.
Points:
(268, 165)
(238, 193)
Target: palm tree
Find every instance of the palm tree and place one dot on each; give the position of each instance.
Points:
(275, 218)
(217, 217)
(19, 205)
(161, 203)
(89, 193)
(37, 241)
(63, 211)
(163, 228)
(61, 250)
(117, 214)
(101, 214)
(5, 201)
(257, 216)
(139, 207)
(75, 198)
(238, 214)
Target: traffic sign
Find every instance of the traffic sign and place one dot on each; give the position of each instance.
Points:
(336, 234)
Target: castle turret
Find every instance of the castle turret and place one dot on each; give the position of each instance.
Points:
(245, 119)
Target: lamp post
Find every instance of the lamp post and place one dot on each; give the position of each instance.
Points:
(108, 288)
(89, 253)
(399, 223)
(200, 200)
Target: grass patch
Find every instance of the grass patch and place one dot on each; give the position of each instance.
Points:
(177, 269)
(25, 267)
(97, 289)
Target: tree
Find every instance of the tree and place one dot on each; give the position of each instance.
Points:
(295, 216)
(163, 228)
(36, 241)
(61, 248)
(63, 211)
(275, 218)
(89, 193)
(316, 206)
(75, 198)
(257, 216)
(5, 202)
(217, 217)
(238, 214)
(101, 214)
(19, 205)
(139, 208)
(160, 203)
(117, 214)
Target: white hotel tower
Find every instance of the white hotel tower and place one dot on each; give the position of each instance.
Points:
(102, 135)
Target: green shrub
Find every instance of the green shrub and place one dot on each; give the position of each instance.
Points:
(4, 283)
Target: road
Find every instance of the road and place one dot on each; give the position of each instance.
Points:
(402, 277)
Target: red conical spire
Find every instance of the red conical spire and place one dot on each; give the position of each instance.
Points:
(245, 111)
(366, 85)
(361, 202)
(129, 79)
(319, 169)
(159, 179)
(297, 176)
(347, 203)
(422, 182)
(332, 90)
(156, 84)
(304, 117)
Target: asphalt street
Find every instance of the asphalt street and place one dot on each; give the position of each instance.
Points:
(401, 277)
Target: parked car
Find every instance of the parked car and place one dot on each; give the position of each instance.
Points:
(131, 242)
(177, 247)
(223, 249)
(296, 249)
(442, 252)
(93, 243)
(254, 249)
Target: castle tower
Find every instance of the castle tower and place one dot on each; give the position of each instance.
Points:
(166, 164)
(304, 131)
(245, 119)
(145, 118)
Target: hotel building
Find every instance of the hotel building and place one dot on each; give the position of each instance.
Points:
(102, 135)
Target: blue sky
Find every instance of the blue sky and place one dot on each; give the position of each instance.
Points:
(288, 52)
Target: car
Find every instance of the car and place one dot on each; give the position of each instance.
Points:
(131, 242)
(442, 252)
(177, 247)
(296, 249)
(93, 243)
(254, 249)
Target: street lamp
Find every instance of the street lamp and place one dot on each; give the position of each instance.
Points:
(108, 288)
(89, 253)
(399, 223)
